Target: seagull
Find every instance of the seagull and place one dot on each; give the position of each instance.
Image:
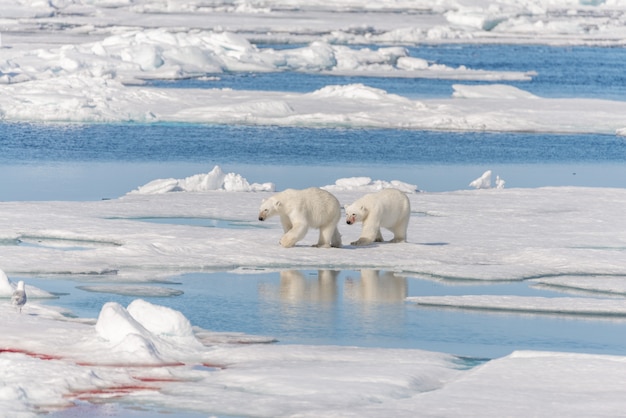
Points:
(19, 296)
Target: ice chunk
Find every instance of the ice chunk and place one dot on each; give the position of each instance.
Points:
(7, 288)
(490, 91)
(160, 320)
(366, 184)
(482, 182)
(115, 323)
(216, 179)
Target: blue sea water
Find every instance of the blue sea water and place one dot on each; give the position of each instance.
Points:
(84, 162)
(78, 162)
(559, 72)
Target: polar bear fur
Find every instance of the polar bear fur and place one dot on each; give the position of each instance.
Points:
(300, 210)
(388, 208)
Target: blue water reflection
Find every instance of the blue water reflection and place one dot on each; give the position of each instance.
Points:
(364, 308)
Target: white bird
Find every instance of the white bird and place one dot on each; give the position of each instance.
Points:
(19, 296)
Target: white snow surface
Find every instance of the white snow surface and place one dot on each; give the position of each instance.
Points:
(84, 61)
(215, 179)
(159, 358)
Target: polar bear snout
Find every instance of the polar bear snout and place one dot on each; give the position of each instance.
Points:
(350, 219)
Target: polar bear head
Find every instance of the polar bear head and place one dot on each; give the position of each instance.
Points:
(269, 208)
(355, 213)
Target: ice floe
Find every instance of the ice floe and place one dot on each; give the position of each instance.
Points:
(84, 61)
(216, 179)
(535, 305)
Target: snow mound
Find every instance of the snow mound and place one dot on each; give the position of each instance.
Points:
(491, 91)
(484, 181)
(216, 179)
(145, 333)
(357, 92)
(117, 326)
(160, 320)
(7, 288)
(366, 184)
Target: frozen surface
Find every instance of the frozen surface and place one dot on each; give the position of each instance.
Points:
(133, 290)
(81, 62)
(85, 61)
(561, 306)
(493, 234)
(82, 99)
(606, 285)
(483, 235)
(216, 179)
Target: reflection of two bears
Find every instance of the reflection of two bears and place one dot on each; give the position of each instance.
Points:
(300, 210)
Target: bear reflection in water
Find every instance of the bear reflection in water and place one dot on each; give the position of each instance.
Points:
(325, 286)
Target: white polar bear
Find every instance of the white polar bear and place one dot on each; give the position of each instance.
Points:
(300, 210)
(388, 208)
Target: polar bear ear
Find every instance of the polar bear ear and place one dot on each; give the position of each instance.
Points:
(277, 204)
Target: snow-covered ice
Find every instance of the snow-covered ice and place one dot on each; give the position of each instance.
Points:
(484, 181)
(75, 61)
(86, 61)
(486, 235)
(215, 179)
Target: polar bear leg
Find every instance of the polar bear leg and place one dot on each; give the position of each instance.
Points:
(369, 234)
(295, 234)
(379, 237)
(397, 239)
(286, 223)
(326, 241)
(336, 241)
(329, 237)
(399, 230)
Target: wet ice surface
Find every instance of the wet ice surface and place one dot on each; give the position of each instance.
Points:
(202, 222)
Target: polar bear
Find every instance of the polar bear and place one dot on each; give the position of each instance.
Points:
(300, 210)
(388, 208)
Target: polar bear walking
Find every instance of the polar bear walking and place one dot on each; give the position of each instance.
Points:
(300, 210)
(388, 208)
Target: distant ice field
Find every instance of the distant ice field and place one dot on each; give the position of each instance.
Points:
(94, 161)
(560, 72)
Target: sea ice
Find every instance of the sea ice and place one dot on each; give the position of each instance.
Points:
(76, 60)
(216, 179)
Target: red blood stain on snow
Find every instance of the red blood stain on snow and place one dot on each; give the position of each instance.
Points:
(144, 382)
(213, 366)
(146, 379)
(40, 356)
(109, 392)
(134, 365)
(43, 356)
